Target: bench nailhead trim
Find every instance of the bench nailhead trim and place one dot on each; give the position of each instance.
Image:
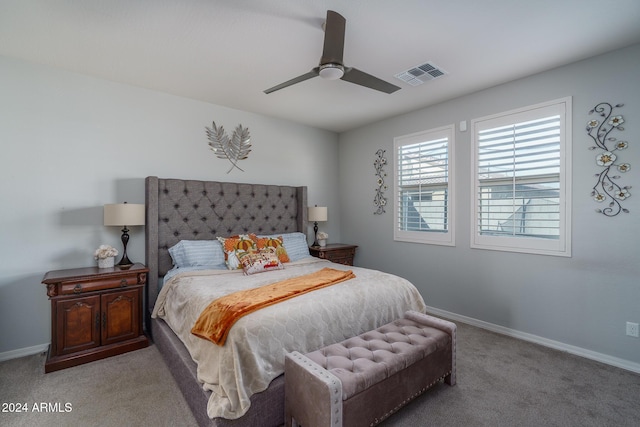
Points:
(334, 384)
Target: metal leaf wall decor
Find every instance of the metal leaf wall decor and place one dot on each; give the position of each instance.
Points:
(607, 188)
(380, 201)
(233, 149)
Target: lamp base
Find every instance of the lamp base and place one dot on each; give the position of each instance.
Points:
(125, 262)
(315, 234)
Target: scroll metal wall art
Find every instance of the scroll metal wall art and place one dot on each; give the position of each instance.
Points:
(606, 188)
(233, 149)
(380, 201)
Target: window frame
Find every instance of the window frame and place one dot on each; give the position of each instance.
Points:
(531, 245)
(446, 238)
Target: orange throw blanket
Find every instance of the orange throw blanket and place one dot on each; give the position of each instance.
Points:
(216, 320)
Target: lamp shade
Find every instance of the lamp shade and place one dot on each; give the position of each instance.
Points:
(124, 214)
(318, 213)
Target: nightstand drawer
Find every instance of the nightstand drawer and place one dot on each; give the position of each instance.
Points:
(347, 260)
(78, 287)
(336, 252)
(339, 254)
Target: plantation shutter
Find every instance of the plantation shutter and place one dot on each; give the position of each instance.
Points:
(518, 175)
(423, 175)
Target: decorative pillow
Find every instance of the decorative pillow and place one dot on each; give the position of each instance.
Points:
(260, 261)
(276, 243)
(295, 244)
(236, 245)
(194, 253)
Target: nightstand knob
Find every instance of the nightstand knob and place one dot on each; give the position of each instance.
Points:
(123, 283)
(77, 288)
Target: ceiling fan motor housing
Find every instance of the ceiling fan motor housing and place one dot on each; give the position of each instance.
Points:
(331, 71)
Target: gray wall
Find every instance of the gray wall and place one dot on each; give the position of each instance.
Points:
(72, 143)
(583, 301)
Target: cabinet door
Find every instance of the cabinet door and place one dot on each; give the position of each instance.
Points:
(120, 316)
(78, 324)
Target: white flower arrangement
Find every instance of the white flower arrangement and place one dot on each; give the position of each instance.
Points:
(322, 235)
(105, 251)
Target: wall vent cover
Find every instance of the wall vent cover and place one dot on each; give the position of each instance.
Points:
(421, 73)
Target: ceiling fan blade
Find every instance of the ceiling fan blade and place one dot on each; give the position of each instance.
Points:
(353, 75)
(334, 28)
(309, 75)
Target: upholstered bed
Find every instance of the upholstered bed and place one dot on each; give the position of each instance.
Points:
(180, 210)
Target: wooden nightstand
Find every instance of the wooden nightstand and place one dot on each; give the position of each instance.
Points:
(95, 313)
(335, 252)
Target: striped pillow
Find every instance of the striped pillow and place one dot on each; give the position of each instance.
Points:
(194, 253)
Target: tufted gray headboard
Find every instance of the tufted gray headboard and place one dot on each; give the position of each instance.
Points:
(178, 209)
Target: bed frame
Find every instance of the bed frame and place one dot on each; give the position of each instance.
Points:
(179, 209)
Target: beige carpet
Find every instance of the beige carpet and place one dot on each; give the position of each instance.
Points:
(502, 381)
(132, 389)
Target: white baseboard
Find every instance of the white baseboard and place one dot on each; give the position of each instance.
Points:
(578, 351)
(21, 352)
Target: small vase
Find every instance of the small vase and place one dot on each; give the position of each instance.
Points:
(322, 242)
(106, 262)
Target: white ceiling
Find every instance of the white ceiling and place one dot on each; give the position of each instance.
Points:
(228, 51)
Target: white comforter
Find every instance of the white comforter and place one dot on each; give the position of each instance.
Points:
(253, 354)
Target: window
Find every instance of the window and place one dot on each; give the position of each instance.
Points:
(521, 182)
(424, 192)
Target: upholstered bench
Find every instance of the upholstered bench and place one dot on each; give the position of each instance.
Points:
(363, 380)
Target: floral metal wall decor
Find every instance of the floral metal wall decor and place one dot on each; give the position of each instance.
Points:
(606, 188)
(380, 201)
(234, 149)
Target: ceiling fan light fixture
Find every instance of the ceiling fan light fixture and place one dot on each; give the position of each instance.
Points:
(331, 71)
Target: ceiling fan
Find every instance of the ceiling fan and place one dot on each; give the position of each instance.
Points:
(331, 66)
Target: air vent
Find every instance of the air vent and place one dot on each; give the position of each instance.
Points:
(420, 74)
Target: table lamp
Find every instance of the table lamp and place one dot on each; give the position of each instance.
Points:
(317, 214)
(123, 215)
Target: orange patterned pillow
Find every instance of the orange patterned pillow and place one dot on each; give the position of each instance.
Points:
(257, 262)
(274, 242)
(236, 245)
